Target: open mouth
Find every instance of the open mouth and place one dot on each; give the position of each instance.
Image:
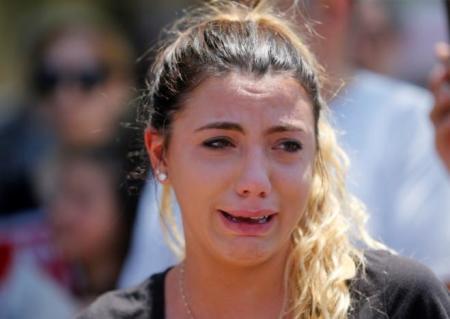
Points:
(247, 220)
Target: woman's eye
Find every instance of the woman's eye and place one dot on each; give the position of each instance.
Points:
(289, 146)
(218, 143)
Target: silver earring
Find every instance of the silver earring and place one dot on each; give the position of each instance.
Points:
(161, 176)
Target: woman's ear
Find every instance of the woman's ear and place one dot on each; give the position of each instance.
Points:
(154, 144)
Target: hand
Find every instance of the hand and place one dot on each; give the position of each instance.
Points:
(440, 114)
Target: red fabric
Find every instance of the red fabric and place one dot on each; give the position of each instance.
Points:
(6, 257)
(33, 238)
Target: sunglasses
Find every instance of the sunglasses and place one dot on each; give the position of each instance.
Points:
(47, 79)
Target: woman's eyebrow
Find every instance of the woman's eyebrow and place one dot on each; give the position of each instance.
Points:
(221, 126)
(285, 128)
(236, 127)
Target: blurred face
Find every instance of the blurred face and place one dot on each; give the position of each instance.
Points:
(83, 213)
(79, 95)
(240, 161)
(331, 20)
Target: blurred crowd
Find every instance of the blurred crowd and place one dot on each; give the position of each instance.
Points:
(75, 217)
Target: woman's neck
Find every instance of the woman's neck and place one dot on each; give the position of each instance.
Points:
(210, 288)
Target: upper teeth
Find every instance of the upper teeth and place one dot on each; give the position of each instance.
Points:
(239, 219)
(258, 218)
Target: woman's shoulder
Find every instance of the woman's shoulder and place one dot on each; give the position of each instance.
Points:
(398, 287)
(143, 301)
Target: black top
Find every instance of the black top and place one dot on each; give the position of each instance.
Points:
(392, 287)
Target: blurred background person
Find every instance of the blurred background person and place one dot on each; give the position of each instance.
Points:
(394, 37)
(80, 78)
(385, 128)
(90, 206)
(440, 114)
(377, 35)
(83, 77)
(91, 209)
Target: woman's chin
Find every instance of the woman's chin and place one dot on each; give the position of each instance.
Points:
(246, 251)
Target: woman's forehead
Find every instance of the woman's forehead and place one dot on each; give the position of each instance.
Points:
(236, 95)
(241, 84)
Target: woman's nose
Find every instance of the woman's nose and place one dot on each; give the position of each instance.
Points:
(254, 179)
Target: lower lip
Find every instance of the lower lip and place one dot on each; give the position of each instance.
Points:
(246, 229)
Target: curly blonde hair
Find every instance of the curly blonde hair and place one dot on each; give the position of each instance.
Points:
(252, 38)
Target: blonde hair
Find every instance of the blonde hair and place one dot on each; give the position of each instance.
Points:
(226, 36)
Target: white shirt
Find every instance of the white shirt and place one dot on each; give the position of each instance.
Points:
(395, 169)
